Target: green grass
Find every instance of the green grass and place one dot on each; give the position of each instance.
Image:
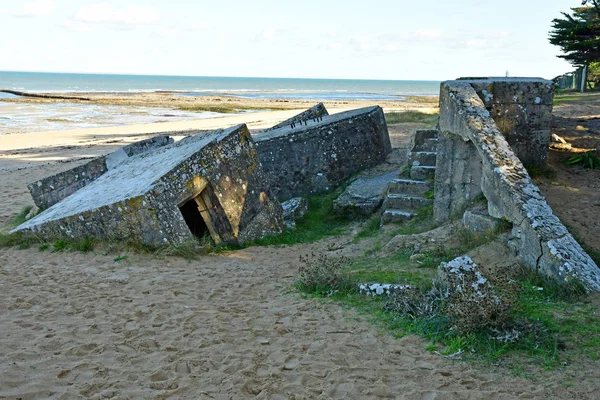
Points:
(571, 97)
(430, 120)
(225, 108)
(369, 228)
(560, 325)
(320, 221)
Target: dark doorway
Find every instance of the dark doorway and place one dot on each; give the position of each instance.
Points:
(193, 219)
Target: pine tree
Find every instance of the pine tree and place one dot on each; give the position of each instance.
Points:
(578, 35)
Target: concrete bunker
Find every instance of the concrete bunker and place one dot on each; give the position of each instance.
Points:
(474, 158)
(52, 189)
(149, 197)
(319, 153)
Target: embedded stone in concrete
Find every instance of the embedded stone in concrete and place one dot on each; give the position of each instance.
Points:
(478, 221)
(317, 156)
(316, 111)
(365, 195)
(379, 289)
(475, 155)
(210, 184)
(522, 110)
(293, 209)
(50, 190)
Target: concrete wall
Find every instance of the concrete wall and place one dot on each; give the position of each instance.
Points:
(52, 189)
(522, 110)
(317, 157)
(475, 157)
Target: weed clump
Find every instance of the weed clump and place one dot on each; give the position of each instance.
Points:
(322, 275)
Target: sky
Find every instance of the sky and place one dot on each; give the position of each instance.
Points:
(349, 39)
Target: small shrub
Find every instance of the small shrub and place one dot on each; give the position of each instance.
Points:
(321, 275)
(415, 303)
(60, 245)
(586, 160)
(84, 246)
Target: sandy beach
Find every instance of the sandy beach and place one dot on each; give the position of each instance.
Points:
(128, 326)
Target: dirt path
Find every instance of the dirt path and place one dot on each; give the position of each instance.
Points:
(222, 327)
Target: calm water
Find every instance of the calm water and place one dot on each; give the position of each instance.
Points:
(290, 88)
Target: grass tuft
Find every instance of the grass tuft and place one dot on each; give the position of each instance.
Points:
(412, 116)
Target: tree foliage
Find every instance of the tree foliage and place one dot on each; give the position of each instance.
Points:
(578, 34)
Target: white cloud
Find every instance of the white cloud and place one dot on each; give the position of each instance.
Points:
(269, 33)
(428, 34)
(335, 46)
(36, 8)
(476, 43)
(104, 13)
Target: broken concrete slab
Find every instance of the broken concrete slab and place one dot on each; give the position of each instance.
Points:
(208, 184)
(293, 209)
(364, 196)
(318, 156)
(316, 111)
(474, 157)
(478, 222)
(52, 189)
(462, 275)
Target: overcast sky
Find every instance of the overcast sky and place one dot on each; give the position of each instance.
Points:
(392, 39)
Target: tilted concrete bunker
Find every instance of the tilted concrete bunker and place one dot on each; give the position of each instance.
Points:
(208, 184)
(52, 189)
(475, 158)
(318, 154)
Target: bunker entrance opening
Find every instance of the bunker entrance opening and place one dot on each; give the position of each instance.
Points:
(192, 214)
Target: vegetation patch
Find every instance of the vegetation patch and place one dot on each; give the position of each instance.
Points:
(430, 120)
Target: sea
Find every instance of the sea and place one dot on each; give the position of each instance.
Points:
(18, 117)
(285, 88)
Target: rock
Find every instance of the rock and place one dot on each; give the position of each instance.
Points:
(478, 221)
(558, 139)
(365, 195)
(462, 275)
(293, 209)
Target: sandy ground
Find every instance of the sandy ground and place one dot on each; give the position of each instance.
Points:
(220, 327)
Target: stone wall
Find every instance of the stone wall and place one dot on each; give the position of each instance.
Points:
(52, 189)
(475, 158)
(140, 198)
(318, 156)
(522, 110)
(316, 111)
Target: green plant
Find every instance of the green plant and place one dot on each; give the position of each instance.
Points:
(587, 160)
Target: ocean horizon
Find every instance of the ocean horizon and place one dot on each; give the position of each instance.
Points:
(287, 88)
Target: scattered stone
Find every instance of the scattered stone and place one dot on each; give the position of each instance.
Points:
(378, 289)
(365, 195)
(293, 209)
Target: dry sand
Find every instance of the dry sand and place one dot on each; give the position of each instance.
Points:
(221, 327)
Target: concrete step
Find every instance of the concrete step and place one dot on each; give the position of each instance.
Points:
(429, 144)
(395, 216)
(422, 173)
(427, 158)
(403, 202)
(409, 187)
(422, 134)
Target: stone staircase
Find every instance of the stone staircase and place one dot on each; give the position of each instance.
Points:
(405, 196)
